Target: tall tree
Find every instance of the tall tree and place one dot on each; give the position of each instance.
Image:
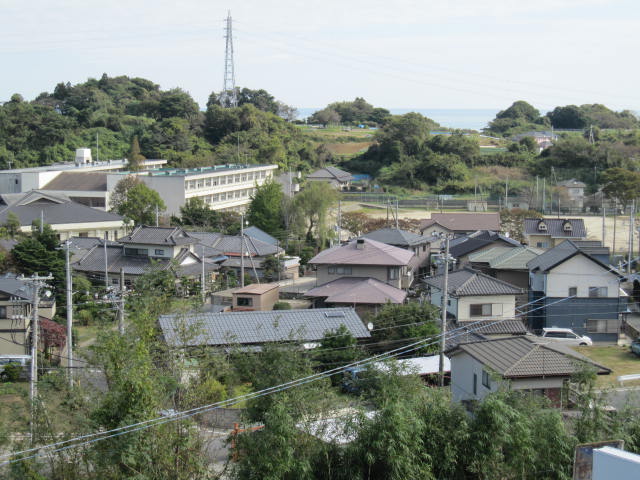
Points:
(136, 202)
(312, 206)
(621, 184)
(134, 156)
(265, 209)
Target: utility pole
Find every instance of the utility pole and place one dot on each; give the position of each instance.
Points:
(106, 262)
(69, 314)
(445, 299)
(397, 221)
(339, 220)
(157, 215)
(537, 192)
(544, 194)
(632, 215)
(41, 221)
(121, 307)
(506, 193)
(97, 148)
(229, 96)
(242, 249)
(202, 279)
(604, 216)
(37, 282)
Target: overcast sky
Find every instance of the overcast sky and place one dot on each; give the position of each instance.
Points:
(395, 54)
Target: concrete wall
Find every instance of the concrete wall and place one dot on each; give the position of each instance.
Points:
(582, 273)
(609, 462)
(503, 306)
(65, 231)
(463, 368)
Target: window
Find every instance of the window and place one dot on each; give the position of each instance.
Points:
(573, 291)
(480, 310)
(244, 301)
(542, 244)
(115, 281)
(223, 180)
(486, 381)
(159, 251)
(424, 247)
(339, 270)
(558, 335)
(595, 292)
(542, 227)
(475, 384)
(249, 176)
(3, 311)
(567, 227)
(83, 234)
(393, 273)
(603, 325)
(244, 178)
(136, 252)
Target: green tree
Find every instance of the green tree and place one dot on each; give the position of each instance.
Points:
(272, 267)
(512, 221)
(12, 224)
(621, 184)
(312, 206)
(134, 156)
(265, 209)
(337, 347)
(135, 201)
(195, 212)
(410, 321)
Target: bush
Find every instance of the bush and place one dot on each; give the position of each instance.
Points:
(282, 306)
(11, 372)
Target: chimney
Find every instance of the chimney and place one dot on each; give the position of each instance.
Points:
(360, 244)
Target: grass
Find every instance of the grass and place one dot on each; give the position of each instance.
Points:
(87, 335)
(619, 359)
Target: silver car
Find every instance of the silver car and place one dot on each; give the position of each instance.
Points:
(565, 335)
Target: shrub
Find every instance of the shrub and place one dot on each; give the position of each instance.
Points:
(282, 306)
(11, 372)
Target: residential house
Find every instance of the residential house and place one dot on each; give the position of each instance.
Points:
(520, 363)
(544, 139)
(259, 234)
(67, 218)
(474, 296)
(366, 258)
(332, 175)
(458, 224)
(365, 294)
(549, 232)
(255, 297)
(253, 329)
(572, 194)
(418, 244)
(572, 289)
(144, 249)
(462, 247)
(290, 182)
(16, 297)
(507, 264)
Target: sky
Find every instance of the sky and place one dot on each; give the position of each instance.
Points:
(423, 54)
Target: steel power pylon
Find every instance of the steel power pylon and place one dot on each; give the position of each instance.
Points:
(229, 96)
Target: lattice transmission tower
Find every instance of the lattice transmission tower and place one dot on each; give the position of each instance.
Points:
(229, 96)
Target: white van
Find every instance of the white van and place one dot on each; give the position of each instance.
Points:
(23, 361)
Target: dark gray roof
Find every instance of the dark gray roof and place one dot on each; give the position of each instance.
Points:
(230, 245)
(12, 286)
(560, 254)
(457, 333)
(259, 327)
(556, 227)
(56, 210)
(493, 327)
(469, 282)
(79, 181)
(331, 173)
(173, 236)
(397, 237)
(527, 356)
(475, 241)
(259, 234)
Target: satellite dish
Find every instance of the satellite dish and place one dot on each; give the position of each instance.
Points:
(370, 326)
(47, 293)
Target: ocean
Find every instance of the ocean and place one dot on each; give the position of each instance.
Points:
(475, 119)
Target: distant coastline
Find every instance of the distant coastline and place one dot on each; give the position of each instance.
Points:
(464, 118)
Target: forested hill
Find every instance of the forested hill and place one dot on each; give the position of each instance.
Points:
(168, 124)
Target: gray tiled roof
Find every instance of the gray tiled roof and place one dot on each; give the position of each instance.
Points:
(457, 333)
(159, 236)
(373, 253)
(464, 222)
(555, 227)
(331, 173)
(60, 210)
(527, 356)
(507, 258)
(493, 327)
(397, 237)
(12, 286)
(358, 290)
(560, 254)
(219, 244)
(259, 327)
(259, 234)
(468, 282)
(471, 243)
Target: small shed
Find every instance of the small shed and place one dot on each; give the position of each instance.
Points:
(257, 296)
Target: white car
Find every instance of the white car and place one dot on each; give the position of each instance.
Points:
(565, 335)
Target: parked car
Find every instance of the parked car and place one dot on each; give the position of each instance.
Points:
(635, 346)
(565, 335)
(22, 361)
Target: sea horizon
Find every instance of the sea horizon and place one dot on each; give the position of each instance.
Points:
(462, 118)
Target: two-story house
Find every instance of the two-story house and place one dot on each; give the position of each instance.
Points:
(143, 249)
(462, 247)
(549, 232)
(418, 244)
(365, 258)
(573, 289)
(474, 298)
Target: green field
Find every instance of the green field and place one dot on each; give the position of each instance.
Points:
(619, 359)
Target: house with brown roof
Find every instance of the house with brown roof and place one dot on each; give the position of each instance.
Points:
(521, 363)
(459, 223)
(366, 258)
(365, 294)
(418, 244)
